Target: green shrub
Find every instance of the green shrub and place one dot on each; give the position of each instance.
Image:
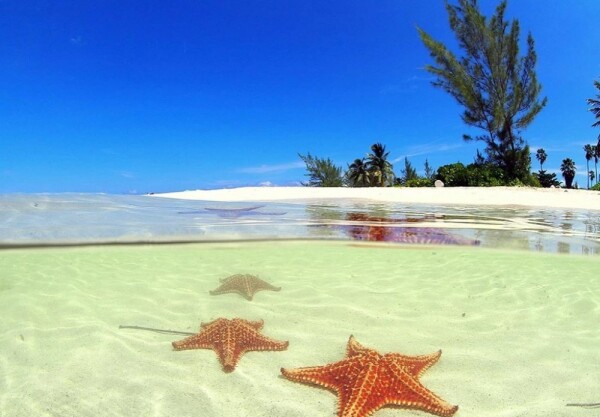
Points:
(596, 187)
(452, 175)
(484, 175)
(419, 182)
(546, 179)
(472, 175)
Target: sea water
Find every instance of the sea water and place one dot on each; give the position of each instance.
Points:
(517, 324)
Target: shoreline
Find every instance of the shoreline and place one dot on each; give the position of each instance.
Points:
(456, 196)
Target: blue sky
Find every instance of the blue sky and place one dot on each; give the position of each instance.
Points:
(151, 96)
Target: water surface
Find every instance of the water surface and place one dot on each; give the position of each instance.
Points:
(88, 218)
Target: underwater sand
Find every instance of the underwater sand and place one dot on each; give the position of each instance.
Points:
(519, 330)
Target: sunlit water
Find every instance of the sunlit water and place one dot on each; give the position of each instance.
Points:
(83, 218)
(511, 296)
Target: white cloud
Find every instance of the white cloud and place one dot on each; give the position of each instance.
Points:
(575, 146)
(76, 40)
(126, 174)
(261, 169)
(408, 85)
(426, 150)
(240, 183)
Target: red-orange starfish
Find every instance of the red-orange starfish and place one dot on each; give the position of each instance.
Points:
(230, 339)
(244, 284)
(366, 381)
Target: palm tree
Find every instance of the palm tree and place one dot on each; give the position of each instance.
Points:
(595, 103)
(596, 157)
(591, 175)
(380, 168)
(589, 153)
(357, 173)
(568, 171)
(541, 156)
(595, 109)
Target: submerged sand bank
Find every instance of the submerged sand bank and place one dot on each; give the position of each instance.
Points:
(459, 196)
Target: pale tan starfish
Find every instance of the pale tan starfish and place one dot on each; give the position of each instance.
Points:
(244, 284)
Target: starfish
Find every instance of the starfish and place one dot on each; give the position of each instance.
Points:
(244, 284)
(230, 339)
(366, 381)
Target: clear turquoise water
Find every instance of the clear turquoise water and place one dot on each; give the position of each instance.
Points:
(516, 316)
(518, 330)
(84, 218)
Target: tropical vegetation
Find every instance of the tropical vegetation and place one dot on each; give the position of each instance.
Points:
(380, 169)
(541, 157)
(546, 179)
(497, 88)
(595, 107)
(358, 174)
(568, 170)
(589, 154)
(500, 95)
(321, 172)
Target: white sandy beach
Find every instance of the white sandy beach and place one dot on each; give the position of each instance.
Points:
(455, 196)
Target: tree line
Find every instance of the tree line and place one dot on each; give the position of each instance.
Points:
(374, 170)
(500, 96)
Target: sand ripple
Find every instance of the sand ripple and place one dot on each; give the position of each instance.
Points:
(518, 330)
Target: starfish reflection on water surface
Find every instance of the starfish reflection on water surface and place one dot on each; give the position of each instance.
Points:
(234, 213)
(366, 381)
(380, 229)
(230, 339)
(244, 284)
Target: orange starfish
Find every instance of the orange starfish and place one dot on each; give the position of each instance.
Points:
(244, 284)
(230, 339)
(366, 381)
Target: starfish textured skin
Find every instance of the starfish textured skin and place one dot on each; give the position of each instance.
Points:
(230, 339)
(244, 284)
(366, 381)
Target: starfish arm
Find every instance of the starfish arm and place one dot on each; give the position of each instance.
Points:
(210, 323)
(221, 290)
(415, 365)
(257, 325)
(354, 348)
(229, 357)
(225, 288)
(192, 342)
(229, 284)
(261, 342)
(315, 375)
(357, 399)
(259, 284)
(406, 390)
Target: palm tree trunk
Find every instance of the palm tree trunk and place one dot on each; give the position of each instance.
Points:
(587, 163)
